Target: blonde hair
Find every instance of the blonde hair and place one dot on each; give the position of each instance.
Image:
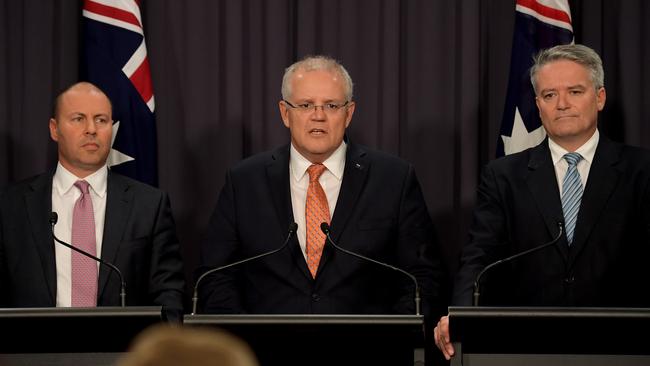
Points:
(166, 345)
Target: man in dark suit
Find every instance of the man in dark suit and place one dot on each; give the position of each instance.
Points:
(598, 189)
(126, 223)
(372, 201)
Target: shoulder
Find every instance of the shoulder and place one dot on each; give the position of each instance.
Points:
(37, 182)
(263, 158)
(255, 166)
(633, 154)
(632, 163)
(521, 162)
(118, 182)
(360, 155)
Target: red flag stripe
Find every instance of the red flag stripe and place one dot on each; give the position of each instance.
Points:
(142, 81)
(111, 12)
(546, 11)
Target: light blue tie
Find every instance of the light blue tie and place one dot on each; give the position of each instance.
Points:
(571, 194)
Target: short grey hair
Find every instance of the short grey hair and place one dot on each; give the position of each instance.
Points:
(313, 63)
(577, 53)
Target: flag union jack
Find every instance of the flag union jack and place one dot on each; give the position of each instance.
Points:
(539, 24)
(115, 59)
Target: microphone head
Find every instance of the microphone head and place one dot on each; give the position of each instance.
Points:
(325, 228)
(293, 227)
(54, 217)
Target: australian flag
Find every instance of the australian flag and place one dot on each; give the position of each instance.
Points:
(115, 59)
(539, 24)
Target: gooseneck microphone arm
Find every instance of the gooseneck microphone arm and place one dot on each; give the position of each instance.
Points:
(54, 217)
(477, 283)
(326, 230)
(195, 298)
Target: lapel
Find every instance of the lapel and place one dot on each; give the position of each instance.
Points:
(357, 166)
(542, 182)
(38, 201)
(277, 172)
(602, 180)
(119, 202)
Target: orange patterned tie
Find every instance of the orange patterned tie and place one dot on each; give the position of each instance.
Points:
(316, 212)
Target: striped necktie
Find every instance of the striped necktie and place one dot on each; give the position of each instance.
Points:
(571, 194)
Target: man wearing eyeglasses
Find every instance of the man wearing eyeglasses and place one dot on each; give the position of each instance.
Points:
(371, 201)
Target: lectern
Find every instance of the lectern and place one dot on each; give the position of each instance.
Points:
(70, 336)
(324, 339)
(549, 336)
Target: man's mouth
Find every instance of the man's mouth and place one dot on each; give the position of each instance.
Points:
(90, 146)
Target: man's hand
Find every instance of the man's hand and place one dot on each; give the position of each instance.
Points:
(441, 337)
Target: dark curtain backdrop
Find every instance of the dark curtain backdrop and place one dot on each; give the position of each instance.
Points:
(430, 82)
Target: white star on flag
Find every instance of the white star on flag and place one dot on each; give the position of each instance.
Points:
(521, 139)
(115, 157)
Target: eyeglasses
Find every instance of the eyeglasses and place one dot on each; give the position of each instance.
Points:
(311, 107)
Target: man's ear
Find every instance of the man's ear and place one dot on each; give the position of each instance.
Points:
(284, 113)
(54, 133)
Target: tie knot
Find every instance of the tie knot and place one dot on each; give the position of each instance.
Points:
(572, 158)
(315, 171)
(83, 186)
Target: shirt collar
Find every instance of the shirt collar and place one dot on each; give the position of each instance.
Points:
(64, 180)
(335, 164)
(587, 150)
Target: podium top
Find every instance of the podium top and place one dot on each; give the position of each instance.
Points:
(108, 311)
(546, 312)
(548, 330)
(63, 330)
(307, 319)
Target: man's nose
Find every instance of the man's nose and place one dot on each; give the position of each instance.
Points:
(91, 128)
(319, 112)
(563, 101)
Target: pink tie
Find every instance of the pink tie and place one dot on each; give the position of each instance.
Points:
(84, 269)
(316, 212)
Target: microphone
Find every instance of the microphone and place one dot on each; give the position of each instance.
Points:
(293, 227)
(54, 217)
(326, 230)
(477, 283)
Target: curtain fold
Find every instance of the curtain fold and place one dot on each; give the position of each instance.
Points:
(430, 82)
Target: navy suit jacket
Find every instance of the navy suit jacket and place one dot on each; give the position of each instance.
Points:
(380, 213)
(139, 238)
(518, 207)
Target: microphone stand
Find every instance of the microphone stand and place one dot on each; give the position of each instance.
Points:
(326, 230)
(53, 220)
(477, 283)
(195, 297)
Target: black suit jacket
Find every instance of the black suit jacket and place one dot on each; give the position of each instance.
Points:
(139, 238)
(518, 207)
(380, 213)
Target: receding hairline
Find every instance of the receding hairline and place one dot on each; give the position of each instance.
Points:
(79, 86)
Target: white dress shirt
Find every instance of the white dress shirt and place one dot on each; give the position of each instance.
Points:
(330, 180)
(64, 196)
(587, 150)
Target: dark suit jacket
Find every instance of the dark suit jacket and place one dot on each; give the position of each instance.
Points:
(380, 213)
(518, 207)
(139, 238)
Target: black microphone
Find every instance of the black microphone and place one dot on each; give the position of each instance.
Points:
(326, 230)
(477, 283)
(54, 217)
(292, 230)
